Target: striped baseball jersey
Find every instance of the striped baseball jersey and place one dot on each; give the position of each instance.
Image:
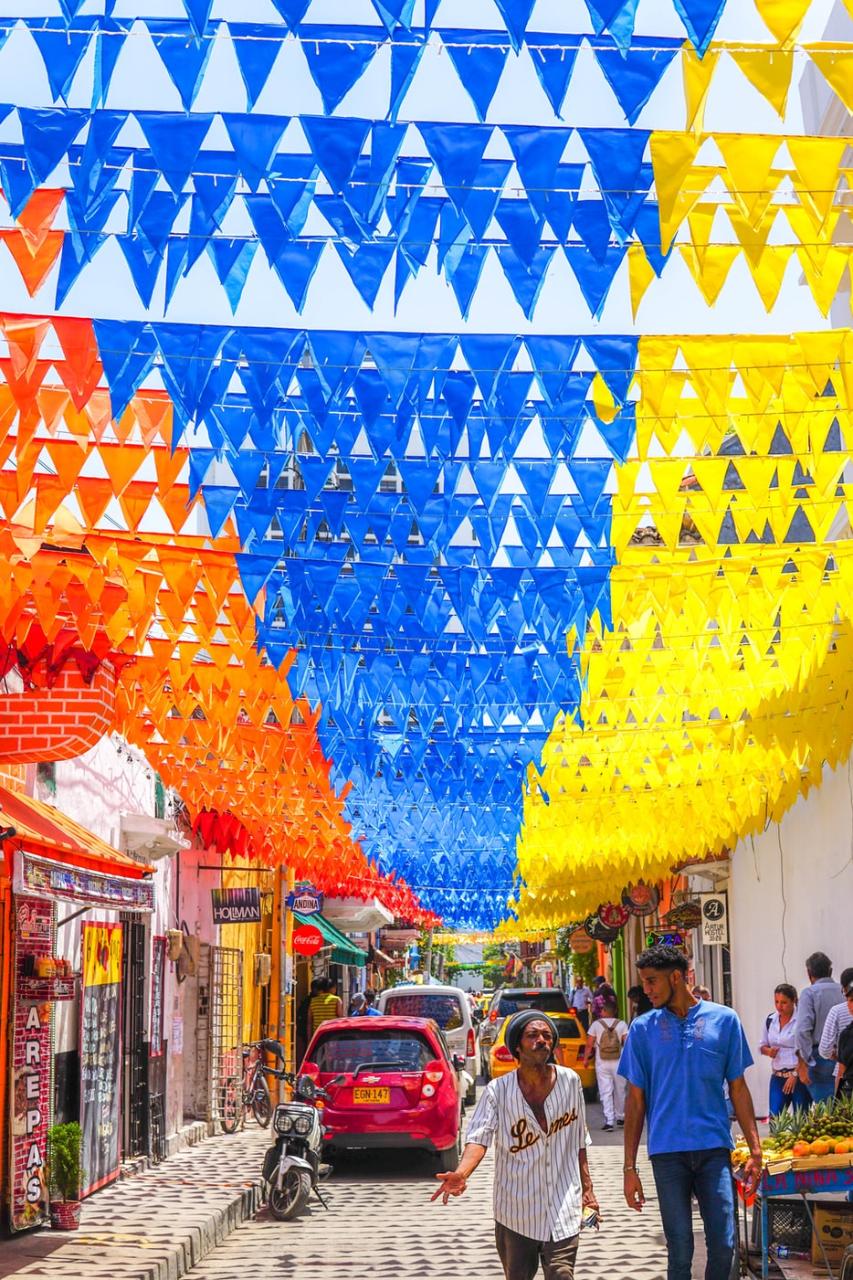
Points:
(537, 1183)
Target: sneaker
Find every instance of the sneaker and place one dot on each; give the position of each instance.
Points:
(608, 1128)
(621, 1124)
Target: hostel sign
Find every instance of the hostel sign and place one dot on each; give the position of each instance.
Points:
(30, 1091)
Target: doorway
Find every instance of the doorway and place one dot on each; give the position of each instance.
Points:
(134, 1047)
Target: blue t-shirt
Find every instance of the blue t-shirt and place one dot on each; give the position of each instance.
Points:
(681, 1064)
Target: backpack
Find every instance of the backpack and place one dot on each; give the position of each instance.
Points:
(609, 1046)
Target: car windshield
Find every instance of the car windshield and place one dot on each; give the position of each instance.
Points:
(546, 1001)
(349, 1050)
(445, 1010)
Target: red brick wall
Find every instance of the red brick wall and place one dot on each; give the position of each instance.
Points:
(60, 723)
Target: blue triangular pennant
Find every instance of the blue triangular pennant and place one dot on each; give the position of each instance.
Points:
(516, 15)
(366, 266)
(554, 60)
(175, 141)
(126, 350)
(219, 503)
(406, 54)
(183, 54)
(457, 150)
(395, 13)
(700, 18)
(336, 145)
(464, 275)
(553, 359)
(255, 572)
(62, 50)
(616, 156)
(295, 265)
(488, 356)
(595, 277)
(256, 53)
(189, 353)
(198, 12)
(111, 40)
(521, 226)
(479, 58)
(337, 58)
(144, 264)
(232, 258)
(291, 187)
(615, 358)
(633, 75)
(48, 133)
(615, 16)
(255, 139)
(525, 278)
(293, 11)
(17, 181)
(592, 224)
(478, 204)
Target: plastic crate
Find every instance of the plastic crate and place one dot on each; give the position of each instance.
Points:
(788, 1223)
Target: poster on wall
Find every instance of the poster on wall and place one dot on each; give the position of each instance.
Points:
(100, 1054)
(29, 1095)
(715, 919)
(158, 969)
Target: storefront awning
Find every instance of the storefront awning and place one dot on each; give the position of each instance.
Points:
(54, 856)
(343, 950)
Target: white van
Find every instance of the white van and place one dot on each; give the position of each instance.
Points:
(449, 1008)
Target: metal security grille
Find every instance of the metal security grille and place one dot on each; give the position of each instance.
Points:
(134, 1048)
(226, 1028)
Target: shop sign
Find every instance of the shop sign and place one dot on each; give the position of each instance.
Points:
(658, 938)
(641, 899)
(29, 1095)
(599, 931)
(580, 942)
(687, 915)
(236, 906)
(158, 969)
(306, 900)
(715, 919)
(100, 1054)
(613, 915)
(42, 877)
(307, 940)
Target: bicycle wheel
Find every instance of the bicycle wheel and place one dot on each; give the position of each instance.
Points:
(230, 1098)
(261, 1101)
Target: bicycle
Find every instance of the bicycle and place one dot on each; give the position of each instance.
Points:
(252, 1092)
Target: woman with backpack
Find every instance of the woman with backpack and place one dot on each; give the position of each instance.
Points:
(605, 1040)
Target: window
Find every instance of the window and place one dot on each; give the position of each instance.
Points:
(391, 1048)
(445, 1010)
(547, 1001)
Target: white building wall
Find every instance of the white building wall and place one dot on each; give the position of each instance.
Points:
(791, 893)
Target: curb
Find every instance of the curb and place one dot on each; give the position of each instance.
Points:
(155, 1226)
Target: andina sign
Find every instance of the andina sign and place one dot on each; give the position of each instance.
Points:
(236, 906)
(306, 900)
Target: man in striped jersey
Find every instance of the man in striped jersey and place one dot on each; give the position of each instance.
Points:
(536, 1119)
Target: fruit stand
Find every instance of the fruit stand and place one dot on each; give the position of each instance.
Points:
(808, 1154)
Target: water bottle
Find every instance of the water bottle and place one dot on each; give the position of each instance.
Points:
(783, 1251)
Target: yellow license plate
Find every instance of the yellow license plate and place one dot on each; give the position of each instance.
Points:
(371, 1095)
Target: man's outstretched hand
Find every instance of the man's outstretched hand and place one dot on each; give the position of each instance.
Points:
(452, 1184)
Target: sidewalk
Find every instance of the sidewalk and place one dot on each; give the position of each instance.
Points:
(155, 1226)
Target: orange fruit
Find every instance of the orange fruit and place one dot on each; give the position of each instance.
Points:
(801, 1149)
(842, 1148)
(820, 1147)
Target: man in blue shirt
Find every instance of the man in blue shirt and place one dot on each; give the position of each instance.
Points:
(676, 1060)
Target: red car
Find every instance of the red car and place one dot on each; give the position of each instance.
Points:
(401, 1086)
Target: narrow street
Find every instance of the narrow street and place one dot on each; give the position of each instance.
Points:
(381, 1224)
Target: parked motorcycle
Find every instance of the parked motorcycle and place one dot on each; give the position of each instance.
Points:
(292, 1166)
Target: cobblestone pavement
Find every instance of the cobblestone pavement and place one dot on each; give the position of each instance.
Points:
(154, 1226)
(381, 1224)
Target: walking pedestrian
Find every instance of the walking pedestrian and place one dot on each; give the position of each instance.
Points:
(302, 1034)
(779, 1044)
(362, 1006)
(581, 1001)
(603, 992)
(676, 1060)
(324, 1006)
(604, 1043)
(816, 1000)
(845, 1053)
(838, 1020)
(536, 1120)
(639, 1002)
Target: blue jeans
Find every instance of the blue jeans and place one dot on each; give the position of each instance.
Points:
(822, 1072)
(679, 1175)
(800, 1098)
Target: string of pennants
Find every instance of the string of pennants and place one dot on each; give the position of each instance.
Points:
(337, 57)
(378, 209)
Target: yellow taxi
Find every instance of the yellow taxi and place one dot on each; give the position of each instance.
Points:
(569, 1050)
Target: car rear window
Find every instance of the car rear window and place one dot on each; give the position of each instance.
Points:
(546, 1001)
(348, 1050)
(569, 1029)
(445, 1010)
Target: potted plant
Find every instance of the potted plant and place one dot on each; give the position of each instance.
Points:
(64, 1146)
